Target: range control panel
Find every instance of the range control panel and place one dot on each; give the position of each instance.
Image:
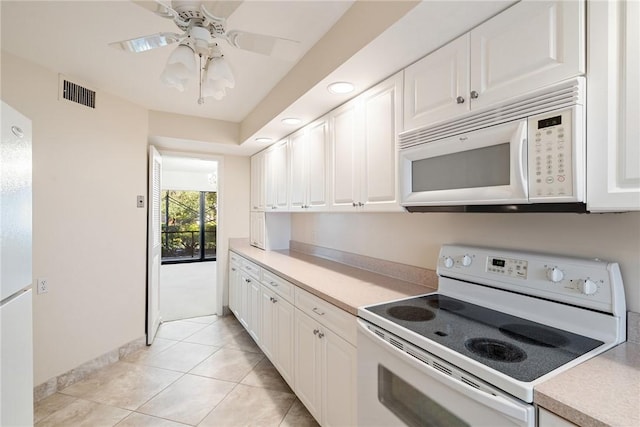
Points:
(587, 283)
(550, 153)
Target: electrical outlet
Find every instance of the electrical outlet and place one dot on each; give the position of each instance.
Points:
(43, 286)
(140, 201)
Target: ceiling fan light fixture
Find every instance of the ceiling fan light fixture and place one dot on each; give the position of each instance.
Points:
(218, 69)
(181, 65)
(341, 88)
(214, 89)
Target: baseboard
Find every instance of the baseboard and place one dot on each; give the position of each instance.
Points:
(79, 373)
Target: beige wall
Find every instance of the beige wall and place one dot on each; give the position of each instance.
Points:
(89, 239)
(415, 239)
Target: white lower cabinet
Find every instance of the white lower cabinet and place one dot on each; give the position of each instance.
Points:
(325, 372)
(234, 286)
(276, 337)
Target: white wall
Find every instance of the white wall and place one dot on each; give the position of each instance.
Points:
(89, 239)
(415, 239)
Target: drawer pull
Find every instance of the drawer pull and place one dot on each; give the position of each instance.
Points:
(273, 300)
(320, 335)
(247, 280)
(273, 283)
(318, 312)
(233, 269)
(316, 332)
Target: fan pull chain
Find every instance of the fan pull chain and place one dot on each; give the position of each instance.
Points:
(200, 99)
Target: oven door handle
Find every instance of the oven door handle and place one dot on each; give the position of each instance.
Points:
(501, 404)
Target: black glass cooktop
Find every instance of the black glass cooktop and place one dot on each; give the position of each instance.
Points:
(519, 348)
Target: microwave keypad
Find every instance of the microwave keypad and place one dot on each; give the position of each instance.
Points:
(550, 158)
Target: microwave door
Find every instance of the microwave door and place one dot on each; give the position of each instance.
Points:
(487, 166)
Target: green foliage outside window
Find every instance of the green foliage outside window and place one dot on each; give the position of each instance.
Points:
(189, 223)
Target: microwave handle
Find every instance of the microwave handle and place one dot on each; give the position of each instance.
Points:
(498, 403)
(521, 141)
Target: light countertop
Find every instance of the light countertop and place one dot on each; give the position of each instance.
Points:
(343, 286)
(603, 391)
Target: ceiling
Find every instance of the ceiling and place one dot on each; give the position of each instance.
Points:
(71, 38)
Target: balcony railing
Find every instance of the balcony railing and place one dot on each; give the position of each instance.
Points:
(185, 246)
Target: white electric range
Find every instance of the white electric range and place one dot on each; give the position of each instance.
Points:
(471, 353)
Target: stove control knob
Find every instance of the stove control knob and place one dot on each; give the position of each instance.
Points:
(587, 287)
(466, 260)
(555, 274)
(448, 262)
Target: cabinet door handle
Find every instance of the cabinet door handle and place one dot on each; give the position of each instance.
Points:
(474, 94)
(273, 283)
(320, 335)
(360, 204)
(233, 269)
(247, 280)
(354, 204)
(274, 300)
(318, 312)
(460, 100)
(316, 332)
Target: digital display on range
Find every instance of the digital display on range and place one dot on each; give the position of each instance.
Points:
(498, 262)
(551, 121)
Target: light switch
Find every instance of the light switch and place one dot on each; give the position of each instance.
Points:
(141, 201)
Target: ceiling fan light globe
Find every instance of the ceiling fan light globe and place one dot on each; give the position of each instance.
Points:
(214, 89)
(171, 80)
(218, 70)
(183, 57)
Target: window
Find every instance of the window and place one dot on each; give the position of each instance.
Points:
(189, 224)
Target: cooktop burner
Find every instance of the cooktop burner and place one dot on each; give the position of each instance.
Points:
(523, 349)
(495, 350)
(534, 335)
(410, 313)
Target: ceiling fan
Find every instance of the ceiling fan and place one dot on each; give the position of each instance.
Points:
(201, 31)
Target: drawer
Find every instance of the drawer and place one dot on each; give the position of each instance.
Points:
(251, 268)
(278, 285)
(334, 318)
(234, 258)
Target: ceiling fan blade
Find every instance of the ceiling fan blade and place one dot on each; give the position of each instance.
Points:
(223, 8)
(266, 45)
(156, 6)
(142, 44)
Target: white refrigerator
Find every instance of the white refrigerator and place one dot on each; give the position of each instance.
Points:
(16, 324)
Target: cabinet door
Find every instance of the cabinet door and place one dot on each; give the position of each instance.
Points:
(267, 326)
(257, 181)
(613, 104)
(298, 180)
(339, 381)
(276, 171)
(345, 143)
(257, 229)
(253, 309)
(234, 284)
(528, 46)
(433, 85)
(243, 299)
(316, 146)
(284, 338)
(381, 117)
(308, 364)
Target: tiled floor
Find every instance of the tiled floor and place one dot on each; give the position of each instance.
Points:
(205, 371)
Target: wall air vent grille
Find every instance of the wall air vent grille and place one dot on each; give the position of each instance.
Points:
(564, 95)
(76, 93)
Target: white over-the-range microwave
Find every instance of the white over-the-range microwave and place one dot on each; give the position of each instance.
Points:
(525, 155)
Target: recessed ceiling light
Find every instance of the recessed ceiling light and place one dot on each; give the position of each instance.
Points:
(340, 88)
(291, 121)
(263, 139)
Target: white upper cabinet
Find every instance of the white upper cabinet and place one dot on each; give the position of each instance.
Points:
(257, 181)
(276, 171)
(530, 45)
(613, 105)
(308, 171)
(437, 86)
(363, 142)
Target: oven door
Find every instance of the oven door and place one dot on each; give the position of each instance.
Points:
(395, 388)
(486, 166)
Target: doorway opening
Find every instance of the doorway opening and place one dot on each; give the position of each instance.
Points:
(189, 229)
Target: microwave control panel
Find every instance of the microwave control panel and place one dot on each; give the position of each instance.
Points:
(550, 156)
